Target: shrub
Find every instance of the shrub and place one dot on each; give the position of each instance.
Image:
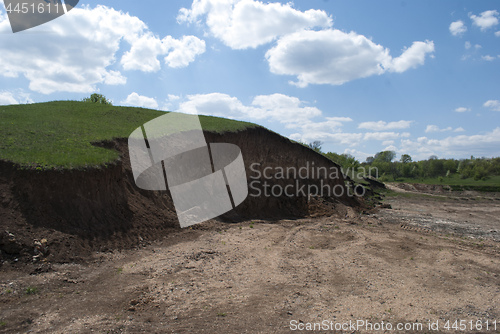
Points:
(97, 98)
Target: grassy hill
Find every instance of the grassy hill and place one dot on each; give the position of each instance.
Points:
(60, 134)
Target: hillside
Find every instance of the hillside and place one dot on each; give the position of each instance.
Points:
(65, 176)
(61, 134)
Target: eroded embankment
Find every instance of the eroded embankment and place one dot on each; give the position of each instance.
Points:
(83, 211)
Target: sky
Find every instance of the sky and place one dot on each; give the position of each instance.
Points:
(416, 77)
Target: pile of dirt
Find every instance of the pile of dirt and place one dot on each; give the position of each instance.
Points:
(423, 188)
(79, 212)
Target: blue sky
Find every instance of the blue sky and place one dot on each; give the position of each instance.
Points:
(416, 77)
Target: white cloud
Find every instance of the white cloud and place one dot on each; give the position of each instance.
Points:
(184, 51)
(388, 142)
(391, 148)
(340, 138)
(76, 52)
(488, 58)
(137, 100)
(485, 20)
(497, 33)
(412, 57)
(17, 97)
(285, 109)
(492, 104)
(478, 145)
(7, 98)
(467, 45)
(381, 136)
(462, 109)
(335, 57)
(457, 28)
(242, 24)
(435, 128)
(172, 97)
(382, 126)
(143, 54)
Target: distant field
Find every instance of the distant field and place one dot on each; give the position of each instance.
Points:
(59, 134)
(457, 183)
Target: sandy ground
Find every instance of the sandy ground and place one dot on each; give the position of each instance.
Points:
(409, 265)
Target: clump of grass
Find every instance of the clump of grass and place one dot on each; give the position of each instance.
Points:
(221, 314)
(31, 290)
(119, 270)
(3, 323)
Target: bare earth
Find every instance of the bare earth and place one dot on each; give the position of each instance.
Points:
(428, 259)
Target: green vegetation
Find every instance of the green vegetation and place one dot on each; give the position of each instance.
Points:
(61, 134)
(481, 174)
(31, 290)
(97, 98)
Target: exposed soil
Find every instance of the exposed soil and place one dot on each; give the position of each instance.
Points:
(468, 214)
(87, 251)
(261, 276)
(80, 212)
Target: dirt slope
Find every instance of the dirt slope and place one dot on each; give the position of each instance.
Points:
(79, 212)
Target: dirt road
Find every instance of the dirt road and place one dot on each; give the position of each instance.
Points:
(272, 277)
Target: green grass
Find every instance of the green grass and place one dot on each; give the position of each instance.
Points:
(31, 290)
(60, 134)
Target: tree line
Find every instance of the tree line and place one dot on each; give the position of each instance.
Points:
(391, 169)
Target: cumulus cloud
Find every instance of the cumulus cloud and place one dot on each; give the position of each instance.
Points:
(458, 28)
(285, 109)
(17, 97)
(435, 128)
(334, 57)
(487, 144)
(412, 57)
(137, 100)
(485, 20)
(242, 24)
(497, 33)
(493, 105)
(383, 126)
(462, 109)
(7, 98)
(340, 138)
(51, 56)
(381, 136)
(143, 54)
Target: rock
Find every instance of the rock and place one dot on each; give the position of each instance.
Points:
(9, 244)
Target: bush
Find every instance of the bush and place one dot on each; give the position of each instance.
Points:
(97, 98)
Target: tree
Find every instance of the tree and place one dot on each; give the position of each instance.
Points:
(315, 145)
(406, 158)
(385, 156)
(369, 160)
(345, 160)
(97, 98)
